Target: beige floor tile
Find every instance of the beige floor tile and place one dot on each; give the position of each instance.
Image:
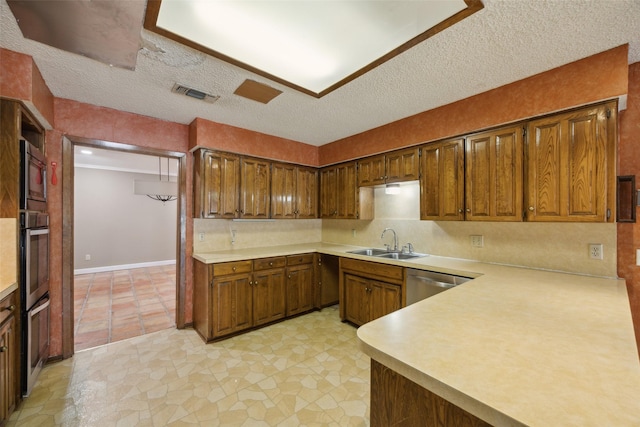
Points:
(303, 371)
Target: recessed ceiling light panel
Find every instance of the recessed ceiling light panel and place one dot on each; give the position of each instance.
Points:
(311, 45)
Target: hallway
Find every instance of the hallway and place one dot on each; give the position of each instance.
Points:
(115, 305)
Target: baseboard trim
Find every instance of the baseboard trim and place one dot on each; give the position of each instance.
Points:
(123, 267)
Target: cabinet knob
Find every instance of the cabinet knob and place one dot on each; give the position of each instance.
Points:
(460, 210)
(233, 268)
(11, 308)
(270, 264)
(468, 209)
(289, 276)
(3, 349)
(531, 208)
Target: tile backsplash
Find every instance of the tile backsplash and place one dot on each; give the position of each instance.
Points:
(551, 246)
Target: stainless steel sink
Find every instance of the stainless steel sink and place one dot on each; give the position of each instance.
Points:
(400, 255)
(369, 252)
(383, 253)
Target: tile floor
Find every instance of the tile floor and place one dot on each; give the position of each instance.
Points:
(116, 305)
(303, 371)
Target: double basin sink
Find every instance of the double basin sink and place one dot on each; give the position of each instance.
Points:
(383, 253)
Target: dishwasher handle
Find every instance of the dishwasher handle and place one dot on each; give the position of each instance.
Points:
(434, 282)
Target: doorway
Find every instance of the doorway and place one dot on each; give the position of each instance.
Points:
(155, 275)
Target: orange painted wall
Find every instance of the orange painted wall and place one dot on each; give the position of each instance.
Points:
(629, 164)
(20, 79)
(205, 133)
(595, 78)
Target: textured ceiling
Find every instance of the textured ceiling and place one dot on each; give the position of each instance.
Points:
(506, 41)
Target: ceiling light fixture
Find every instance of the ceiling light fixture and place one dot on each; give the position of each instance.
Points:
(311, 46)
(162, 191)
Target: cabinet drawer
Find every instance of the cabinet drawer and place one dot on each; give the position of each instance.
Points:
(300, 259)
(267, 263)
(8, 306)
(232, 268)
(373, 269)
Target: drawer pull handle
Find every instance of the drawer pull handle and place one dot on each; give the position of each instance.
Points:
(3, 349)
(233, 268)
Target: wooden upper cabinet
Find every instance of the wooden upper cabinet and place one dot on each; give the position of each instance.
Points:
(402, 165)
(306, 194)
(294, 191)
(255, 189)
(283, 191)
(371, 171)
(442, 181)
(494, 175)
(217, 183)
(328, 193)
(340, 196)
(571, 166)
(397, 166)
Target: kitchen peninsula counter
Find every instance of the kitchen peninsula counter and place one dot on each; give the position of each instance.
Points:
(516, 346)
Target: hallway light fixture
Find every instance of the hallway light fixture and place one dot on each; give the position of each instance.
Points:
(162, 191)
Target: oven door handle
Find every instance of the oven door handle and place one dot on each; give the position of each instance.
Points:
(41, 307)
(37, 231)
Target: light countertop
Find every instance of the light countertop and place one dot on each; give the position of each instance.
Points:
(515, 346)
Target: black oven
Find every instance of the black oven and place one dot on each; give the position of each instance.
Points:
(34, 294)
(33, 178)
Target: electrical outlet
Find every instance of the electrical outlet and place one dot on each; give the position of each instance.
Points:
(353, 232)
(87, 257)
(233, 236)
(595, 251)
(201, 237)
(477, 241)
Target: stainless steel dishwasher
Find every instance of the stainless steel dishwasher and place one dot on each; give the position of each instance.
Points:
(423, 284)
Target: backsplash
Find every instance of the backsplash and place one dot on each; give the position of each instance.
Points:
(252, 234)
(551, 246)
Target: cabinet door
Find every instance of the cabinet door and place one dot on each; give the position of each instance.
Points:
(442, 181)
(299, 289)
(402, 165)
(306, 195)
(216, 185)
(384, 299)
(347, 206)
(328, 193)
(255, 189)
(269, 296)
(8, 377)
(231, 304)
(283, 191)
(568, 165)
(356, 299)
(371, 171)
(494, 175)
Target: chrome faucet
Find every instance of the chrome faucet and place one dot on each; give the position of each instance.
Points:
(395, 238)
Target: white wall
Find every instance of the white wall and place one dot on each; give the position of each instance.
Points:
(116, 227)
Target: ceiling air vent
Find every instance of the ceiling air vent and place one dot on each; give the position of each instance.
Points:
(194, 93)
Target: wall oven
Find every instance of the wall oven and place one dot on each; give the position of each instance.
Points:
(34, 294)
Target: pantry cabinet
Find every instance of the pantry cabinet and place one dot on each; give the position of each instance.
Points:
(442, 181)
(571, 166)
(340, 197)
(9, 380)
(494, 175)
(294, 191)
(369, 290)
(396, 166)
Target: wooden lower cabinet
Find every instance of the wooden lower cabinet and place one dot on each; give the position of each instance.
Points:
(398, 401)
(9, 387)
(369, 290)
(232, 297)
(300, 284)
